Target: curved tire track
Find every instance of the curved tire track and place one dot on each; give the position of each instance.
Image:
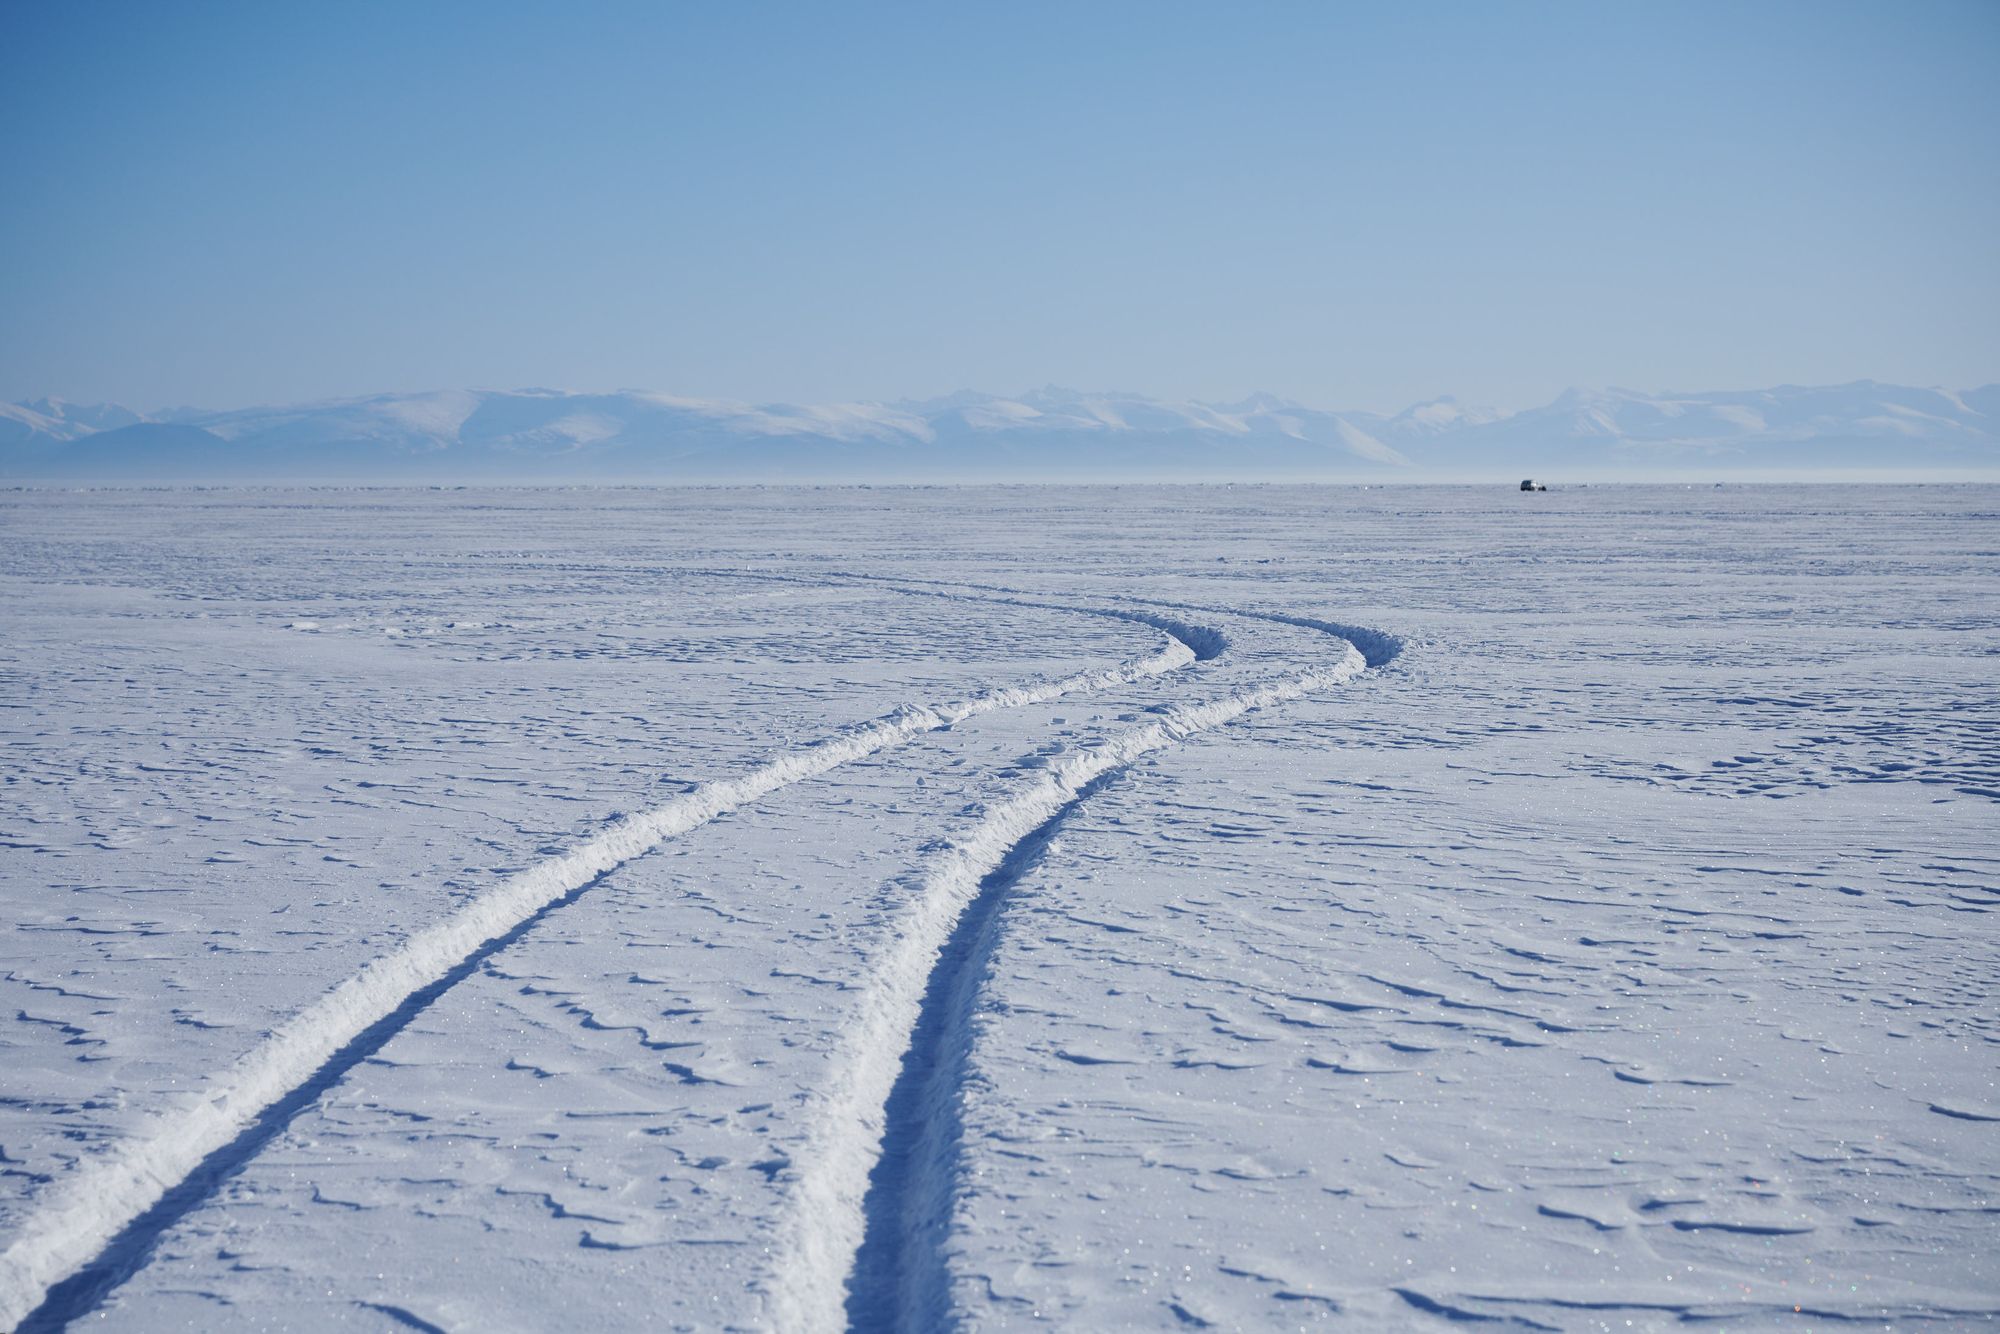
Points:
(1377, 647)
(96, 1226)
(900, 1278)
(825, 1225)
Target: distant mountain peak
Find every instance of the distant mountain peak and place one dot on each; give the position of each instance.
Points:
(1444, 413)
(1261, 401)
(1053, 431)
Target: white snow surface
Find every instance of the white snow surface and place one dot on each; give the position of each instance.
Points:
(1000, 907)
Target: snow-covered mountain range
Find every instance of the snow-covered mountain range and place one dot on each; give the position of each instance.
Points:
(550, 435)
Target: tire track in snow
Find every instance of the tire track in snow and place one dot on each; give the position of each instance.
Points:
(824, 1227)
(131, 1246)
(900, 1279)
(1206, 641)
(88, 1228)
(1377, 647)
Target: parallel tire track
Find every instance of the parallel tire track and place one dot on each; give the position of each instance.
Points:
(1377, 647)
(822, 1230)
(94, 1210)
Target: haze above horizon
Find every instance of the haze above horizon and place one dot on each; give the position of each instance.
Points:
(227, 204)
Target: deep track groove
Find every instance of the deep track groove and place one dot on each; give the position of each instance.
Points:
(825, 1223)
(899, 1279)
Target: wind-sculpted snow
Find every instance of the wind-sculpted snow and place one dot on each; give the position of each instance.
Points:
(106, 1193)
(1597, 939)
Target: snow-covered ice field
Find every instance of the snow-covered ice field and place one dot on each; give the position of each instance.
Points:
(1120, 908)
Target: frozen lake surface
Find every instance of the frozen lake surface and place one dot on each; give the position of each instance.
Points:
(1083, 908)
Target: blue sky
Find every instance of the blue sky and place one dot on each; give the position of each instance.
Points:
(1356, 206)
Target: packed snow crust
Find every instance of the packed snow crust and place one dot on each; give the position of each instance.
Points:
(1130, 907)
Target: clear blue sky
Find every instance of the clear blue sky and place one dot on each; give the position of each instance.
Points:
(1357, 206)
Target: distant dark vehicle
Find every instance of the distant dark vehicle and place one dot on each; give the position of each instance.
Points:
(1530, 484)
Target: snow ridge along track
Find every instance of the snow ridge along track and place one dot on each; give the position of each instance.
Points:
(823, 1229)
(83, 1216)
